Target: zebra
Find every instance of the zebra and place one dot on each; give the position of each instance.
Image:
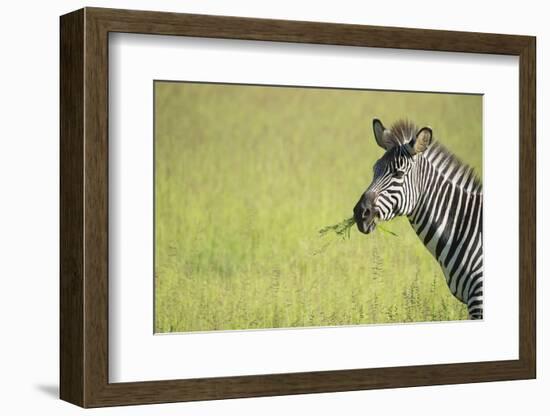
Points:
(442, 197)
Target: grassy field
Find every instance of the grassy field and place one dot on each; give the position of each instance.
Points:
(246, 176)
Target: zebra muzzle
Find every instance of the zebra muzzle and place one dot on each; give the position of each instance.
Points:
(364, 216)
(366, 227)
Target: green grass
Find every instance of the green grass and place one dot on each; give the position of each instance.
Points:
(245, 179)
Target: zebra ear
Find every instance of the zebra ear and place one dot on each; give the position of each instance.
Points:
(381, 134)
(422, 140)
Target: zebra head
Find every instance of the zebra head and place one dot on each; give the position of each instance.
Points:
(395, 186)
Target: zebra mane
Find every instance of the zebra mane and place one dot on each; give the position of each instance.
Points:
(453, 169)
(402, 131)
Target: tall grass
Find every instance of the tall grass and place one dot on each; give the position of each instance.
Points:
(246, 176)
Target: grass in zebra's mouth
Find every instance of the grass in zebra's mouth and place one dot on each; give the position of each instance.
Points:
(343, 229)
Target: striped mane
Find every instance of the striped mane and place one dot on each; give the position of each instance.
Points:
(402, 131)
(454, 170)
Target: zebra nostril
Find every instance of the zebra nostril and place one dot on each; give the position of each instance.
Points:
(366, 214)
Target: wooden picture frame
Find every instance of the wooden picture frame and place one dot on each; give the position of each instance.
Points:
(84, 207)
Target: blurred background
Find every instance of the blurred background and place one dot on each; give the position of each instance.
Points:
(246, 176)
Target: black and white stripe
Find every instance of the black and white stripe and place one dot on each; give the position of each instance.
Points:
(442, 199)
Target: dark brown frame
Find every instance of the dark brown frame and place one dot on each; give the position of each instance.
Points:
(84, 208)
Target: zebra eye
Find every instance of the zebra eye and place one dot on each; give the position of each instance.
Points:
(398, 174)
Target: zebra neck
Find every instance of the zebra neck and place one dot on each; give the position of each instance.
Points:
(440, 211)
(448, 219)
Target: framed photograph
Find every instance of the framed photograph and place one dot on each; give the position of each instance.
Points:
(254, 207)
